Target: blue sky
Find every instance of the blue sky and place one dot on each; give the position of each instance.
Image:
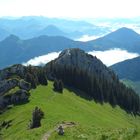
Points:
(70, 8)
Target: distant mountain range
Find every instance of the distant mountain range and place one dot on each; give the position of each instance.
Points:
(14, 50)
(33, 26)
(52, 30)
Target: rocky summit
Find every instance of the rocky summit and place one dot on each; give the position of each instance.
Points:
(87, 73)
(77, 58)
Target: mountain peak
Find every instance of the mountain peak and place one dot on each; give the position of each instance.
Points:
(71, 51)
(77, 58)
(51, 26)
(126, 30)
(123, 38)
(74, 56)
(124, 34)
(52, 30)
(12, 37)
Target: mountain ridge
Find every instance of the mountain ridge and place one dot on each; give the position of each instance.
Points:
(86, 73)
(123, 38)
(98, 106)
(128, 69)
(19, 51)
(15, 50)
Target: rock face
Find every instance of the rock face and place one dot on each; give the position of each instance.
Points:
(18, 70)
(6, 85)
(24, 85)
(11, 78)
(60, 130)
(15, 97)
(18, 97)
(81, 60)
(17, 80)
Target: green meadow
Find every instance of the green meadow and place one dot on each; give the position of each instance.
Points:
(93, 121)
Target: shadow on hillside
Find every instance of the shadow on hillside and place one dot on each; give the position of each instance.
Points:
(21, 103)
(79, 93)
(84, 96)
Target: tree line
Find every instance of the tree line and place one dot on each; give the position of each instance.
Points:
(99, 88)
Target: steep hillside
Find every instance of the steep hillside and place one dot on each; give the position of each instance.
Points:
(89, 107)
(128, 72)
(87, 73)
(93, 121)
(132, 84)
(123, 38)
(128, 69)
(76, 69)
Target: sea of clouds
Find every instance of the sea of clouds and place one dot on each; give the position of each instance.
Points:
(85, 38)
(42, 60)
(108, 57)
(113, 56)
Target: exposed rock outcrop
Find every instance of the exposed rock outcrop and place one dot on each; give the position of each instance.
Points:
(6, 85)
(9, 79)
(15, 70)
(24, 85)
(82, 71)
(17, 80)
(79, 59)
(18, 97)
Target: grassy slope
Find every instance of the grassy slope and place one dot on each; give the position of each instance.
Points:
(94, 121)
(133, 84)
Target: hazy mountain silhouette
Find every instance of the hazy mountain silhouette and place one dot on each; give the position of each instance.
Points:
(123, 38)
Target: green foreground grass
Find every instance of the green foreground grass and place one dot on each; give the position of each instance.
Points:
(94, 121)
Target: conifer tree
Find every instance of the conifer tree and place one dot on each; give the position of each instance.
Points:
(37, 115)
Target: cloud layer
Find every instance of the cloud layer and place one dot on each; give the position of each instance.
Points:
(42, 60)
(108, 57)
(85, 38)
(113, 56)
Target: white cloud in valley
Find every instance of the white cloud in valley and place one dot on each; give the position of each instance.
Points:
(108, 57)
(70, 8)
(42, 60)
(85, 38)
(113, 56)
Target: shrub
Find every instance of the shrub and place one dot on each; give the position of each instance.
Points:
(37, 115)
